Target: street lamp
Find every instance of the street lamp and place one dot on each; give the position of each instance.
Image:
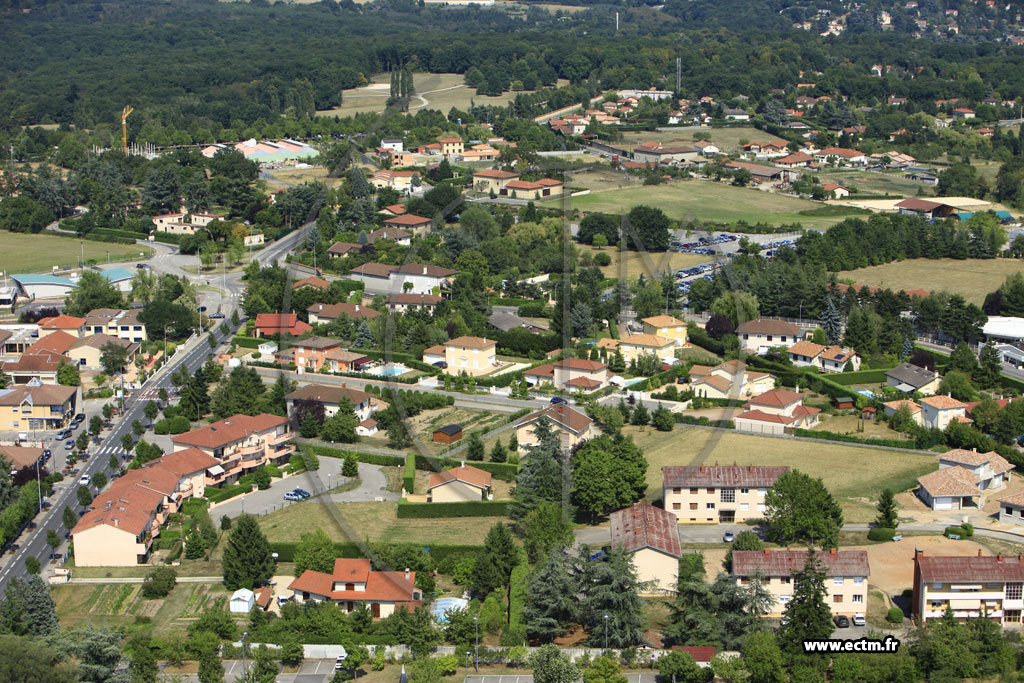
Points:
(476, 647)
(606, 634)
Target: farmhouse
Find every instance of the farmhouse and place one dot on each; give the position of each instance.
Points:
(712, 494)
(461, 484)
(846, 576)
(353, 585)
(651, 535)
(971, 586)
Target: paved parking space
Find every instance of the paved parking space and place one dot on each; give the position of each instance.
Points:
(633, 678)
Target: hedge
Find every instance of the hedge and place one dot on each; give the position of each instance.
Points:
(479, 508)
(247, 342)
(955, 531)
(409, 473)
(832, 436)
(858, 377)
(369, 458)
(881, 534)
(499, 470)
(215, 495)
(515, 633)
(286, 550)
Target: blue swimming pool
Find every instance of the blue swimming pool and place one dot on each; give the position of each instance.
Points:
(390, 370)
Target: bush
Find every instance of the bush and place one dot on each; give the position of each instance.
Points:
(247, 342)
(955, 531)
(409, 473)
(215, 495)
(880, 534)
(159, 582)
(440, 553)
(483, 508)
(894, 615)
(968, 529)
(178, 424)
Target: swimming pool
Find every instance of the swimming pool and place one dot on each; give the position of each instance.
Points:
(390, 370)
(865, 392)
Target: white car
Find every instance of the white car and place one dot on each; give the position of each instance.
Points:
(84, 480)
(858, 620)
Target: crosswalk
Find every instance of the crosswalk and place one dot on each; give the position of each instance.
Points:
(113, 450)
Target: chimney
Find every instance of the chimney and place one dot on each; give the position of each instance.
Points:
(702, 468)
(918, 552)
(406, 573)
(750, 468)
(833, 552)
(979, 552)
(999, 558)
(767, 552)
(424, 270)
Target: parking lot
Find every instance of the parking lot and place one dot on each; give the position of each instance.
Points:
(310, 671)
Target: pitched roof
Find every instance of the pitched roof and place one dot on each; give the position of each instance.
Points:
(320, 343)
(471, 342)
(806, 348)
(325, 393)
(410, 299)
(342, 248)
(497, 174)
(408, 219)
(389, 232)
(1016, 499)
(61, 322)
(380, 586)
(373, 269)
(55, 342)
(970, 568)
(336, 310)
(312, 281)
(942, 402)
(563, 415)
(772, 562)
(450, 430)
(700, 370)
(896, 405)
(728, 475)
(545, 370)
(43, 361)
(716, 381)
(651, 340)
(464, 473)
(776, 397)
(20, 456)
(580, 364)
(996, 462)
(229, 430)
(911, 375)
(915, 204)
(644, 526)
(98, 341)
(429, 271)
(761, 416)
(42, 395)
(663, 321)
(583, 383)
(951, 481)
(766, 326)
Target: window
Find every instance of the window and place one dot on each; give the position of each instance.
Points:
(744, 582)
(744, 490)
(746, 336)
(858, 598)
(769, 337)
(677, 491)
(1013, 591)
(693, 506)
(1012, 616)
(727, 495)
(784, 580)
(711, 490)
(744, 506)
(760, 507)
(677, 506)
(858, 580)
(694, 491)
(837, 598)
(709, 506)
(936, 604)
(936, 586)
(837, 581)
(784, 598)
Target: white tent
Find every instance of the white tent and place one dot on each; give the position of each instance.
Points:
(242, 601)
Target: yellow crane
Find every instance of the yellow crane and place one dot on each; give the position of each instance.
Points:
(124, 127)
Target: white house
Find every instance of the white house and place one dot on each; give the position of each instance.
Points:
(758, 336)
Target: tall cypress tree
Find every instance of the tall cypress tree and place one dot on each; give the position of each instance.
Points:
(831, 322)
(550, 601)
(546, 476)
(247, 557)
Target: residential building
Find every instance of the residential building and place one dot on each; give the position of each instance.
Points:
(55, 343)
(119, 528)
(340, 360)
(462, 484)
(417, 226)
(38, 367)
(403, 181)
(795, 160)
(533, 189)
(367, 427)
(391, 234)
(636, 345)
(240, 443)
(731, 379)
(910, 379)
(325, 313)
(774, 411)
(183, 223)
(825, 358)
(651, 535)
(25, 462)
(758, 336)
(657, 153)
(570, 426)
(116, 323)
(713, 493)
(580, 373)
(452, 146)
(331, 398)
(706, 148)
(353, 585)
(68, 324)
(473, 356)
(417, 278)
(971, 586)
(1011, 508)
(269, 324)
(763, 174)
(846, 576)
(87, 353)
(314, 282)
(493, 181)
(376, 277)
(963, 113)
(991, 470)
(343, 249)
(400, 303)
(433, 355)
(915, 410)
(962, 479)
(310, 354)
(939, 410)
(841, 155)
(836, 190)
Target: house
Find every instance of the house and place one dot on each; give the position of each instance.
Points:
(736, 115)
(666, 326)
(393, 144)
(636, 345)
(758, 336)
(963, 113)
(342, 249)
(938, 411)
(1011, 508)
(56, 343)
(764, 174)
(340, 360)
(836, 190)
(367, 427)
(240, 443)
(570, 426)
(962, 479)
(730, 379)
(87, 353)
(40, 367)
(915, 410)
(841, 155)
(452, 146)
(309, 354)
(707, 148)
(433, 355)
(651, 536)
(533, 189)
(971, 586)
(448, 434)
(579, 373)
(116, 323)
(991, 470)
(325, 313)
(331, 398)
(795, 160)
(846, 576)
(826, 358)
(713, 493)
(376, 277)
(418, 226)
(353, 585)
(461, 484)
(314, 282)
(269, 324)
(773, 411)
(25, 462)
(242, 601)
(417, 278)
(391, 234)
(400, 303)
(657, 153)
(910, 379)
(493, 181)
(183, 223)
(122, 522)
(403, 181)
(473, 356)
(68, 324)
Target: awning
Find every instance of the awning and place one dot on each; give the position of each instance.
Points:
(214, 471)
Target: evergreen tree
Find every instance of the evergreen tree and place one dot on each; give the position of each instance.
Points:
(499, 558)
(546, 476)
(808, 616)
(888, 517)
(989, 366)
(545, 527)
(195, 400)
(640, 415)
(499, 453)
(357, 185)
(28, 609)
(962, 359)
(475, 449)
(610, 588)
(247, 557)
(763, 658)
(350, 468)
(860, 333)
(364, 337)
(550, 601)
(831, 322)
(617, 363)
(314, 551)
(609, 473)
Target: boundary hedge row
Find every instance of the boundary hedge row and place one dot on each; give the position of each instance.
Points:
(858, 377)
(246, 342)
(369, 458)
(215, 495)
(347, 549)
(478, 508)
(409, 473)
(499, 470)
(833, 436)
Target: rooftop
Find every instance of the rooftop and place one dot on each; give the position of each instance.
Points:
(644, 526)
(728, 475)
(770, 562)
(466, 474)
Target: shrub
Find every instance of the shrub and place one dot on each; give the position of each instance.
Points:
(448, 664)
(968, 529)
(880, 534)
(955, 531)
(159, 582)
(409, 473)
(178, 424)
(894, 615)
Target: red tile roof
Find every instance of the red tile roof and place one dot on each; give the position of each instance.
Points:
(272, 323)
(408, 219)
(580, 364)
(727, 475)
(228, 431)
(464, 473)
(312, 281)
(61, 322)
(765, 326)
(778, 398)
(761, 416)
(336, 310)
(561, 414)
(645, 526)
(55, 342)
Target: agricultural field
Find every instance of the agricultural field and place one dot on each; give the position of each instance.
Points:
(868, 182)
(688, 200)
(855, 476)
(118, 604)
(972, 279)
(25, 253)
(434, 91)
(373, 521)
(726, 139)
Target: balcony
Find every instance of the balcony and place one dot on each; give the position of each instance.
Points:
(274, 440)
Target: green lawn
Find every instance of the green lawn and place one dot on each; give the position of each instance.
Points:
(726, 139)
(25, 253)
(855, 476)
(866, 182)
(686, 200)
(973, 278)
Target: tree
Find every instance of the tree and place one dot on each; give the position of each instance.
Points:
(604, 670)
(494, 567)
(902, 420)
(315, 551)
(95, 425)
(680, 667)
(808, 616)
(745, 540)
(28, 608)
(551, 665)
(350, 467)
(888, 517)
(763, 658)
(610, 598)
(99, 480)
(399, 435)
(550, 601)
(957, 385)
(68, 518)
(595, 224)
(546, 476)
(358, 187)
(52, 539)
(544, 528)
(247, 557)
(194, 399)
(159, 582)
(210, 668)
(646, 229)
(962, 359)
(67, 374)
(113, 357)
(663, 419)
(989, 366)
(609, 473)
(800, 508)
(364, 337)
(640, 415)
(475, 448)
(341, 426)
(92, 291)
(142, 664)
(32, 565)
(24, 659)
(83, 495)
(499, 453)
(261, 477)
(150, 410)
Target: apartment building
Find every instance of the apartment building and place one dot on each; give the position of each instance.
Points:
(352, 585)
(240, 443)
(990, 586)
(29, 408)
(711, 493)
(651, 535)
(846, 576)
(117, 323)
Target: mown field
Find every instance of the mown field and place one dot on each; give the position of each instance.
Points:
(972, 279)
(25, 253)
(866, 182)
(726, 139)
(855, 476)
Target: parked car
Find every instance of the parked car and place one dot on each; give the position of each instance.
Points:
(842, 621)
(859, 620)
(558, 401)
(339, 663)
(729, 537)
(47, 454)
(69, 445)
(63, 434)
(291, 495)
(78, 419)
(84, 480)
(217, 315)
(302, 492)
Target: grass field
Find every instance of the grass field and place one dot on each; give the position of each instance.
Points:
(637, 262)
(434, 91)
(972, 279)
(373, 521)
(876, 183)
(726, 139)
(686, 200)
(23, 253)
(855, 476)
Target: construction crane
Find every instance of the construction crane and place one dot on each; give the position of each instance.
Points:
(124, 127)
